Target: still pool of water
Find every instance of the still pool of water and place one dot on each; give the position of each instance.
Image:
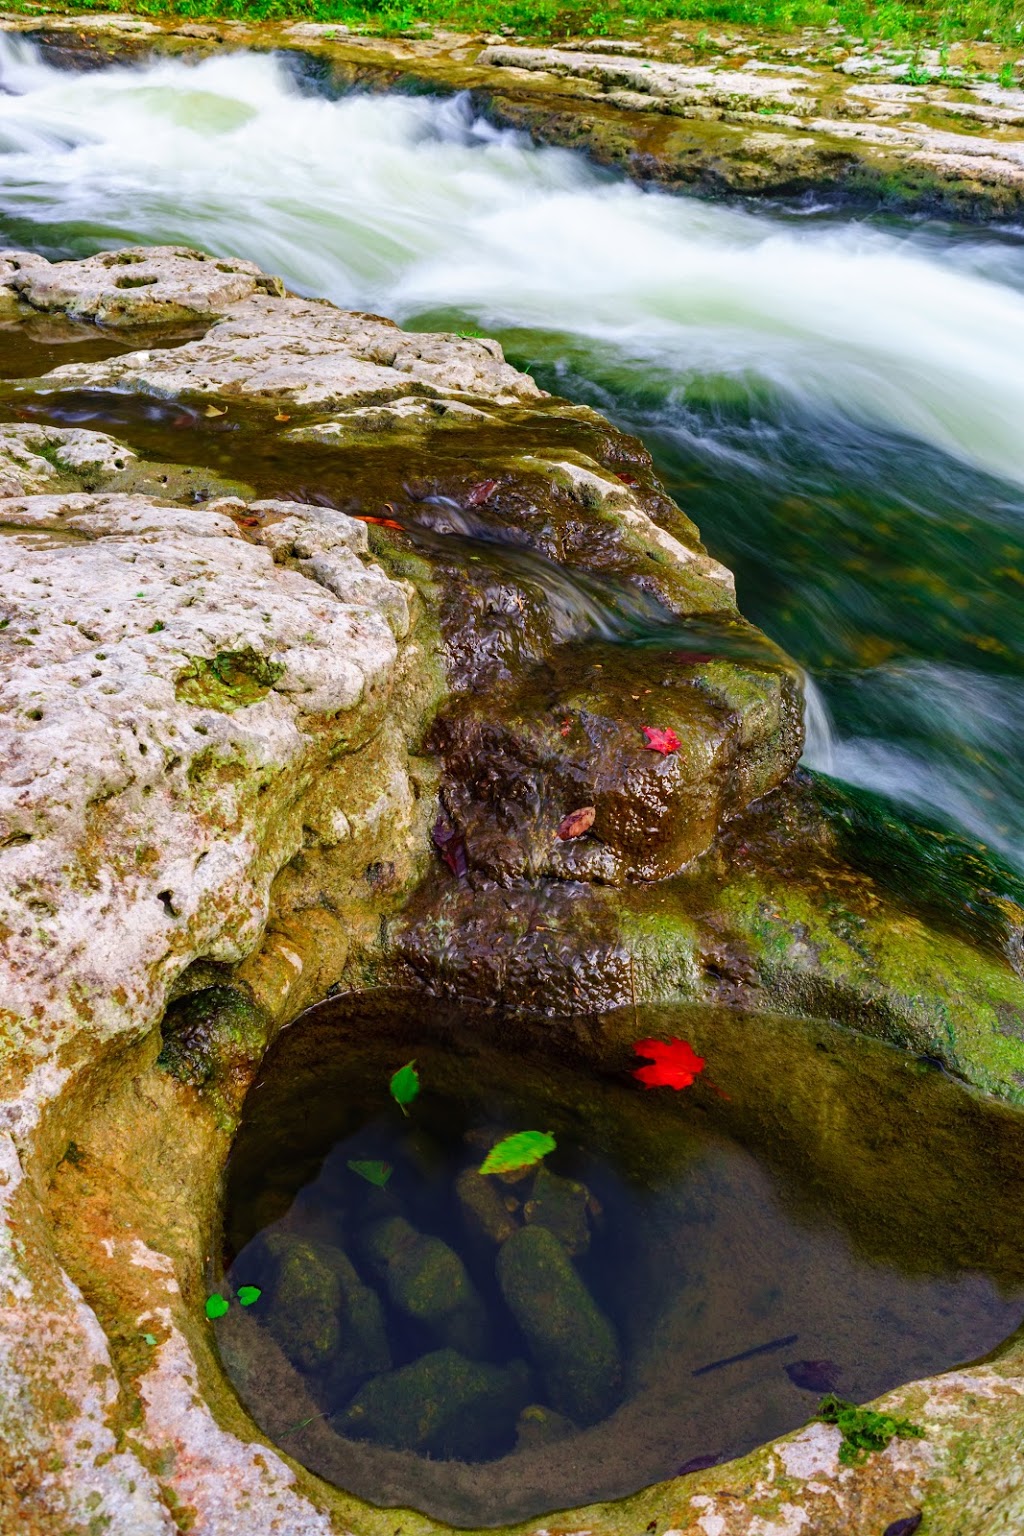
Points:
(684, 1277)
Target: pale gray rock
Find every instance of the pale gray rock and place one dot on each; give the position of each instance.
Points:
(140, 285)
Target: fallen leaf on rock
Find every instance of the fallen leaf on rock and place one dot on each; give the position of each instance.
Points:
(628, 479)
(451, 845)
(215, 410)
(576, 823)
(481, 493)
(674, 1063)
(382, 522)
(661, 739)
(282, 416)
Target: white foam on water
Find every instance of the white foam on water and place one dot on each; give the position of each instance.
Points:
(404, 204)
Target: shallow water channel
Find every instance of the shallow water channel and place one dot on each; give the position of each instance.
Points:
(837, 402)
(684, 1277)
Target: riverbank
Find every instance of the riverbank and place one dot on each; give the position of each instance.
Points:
(817, 116)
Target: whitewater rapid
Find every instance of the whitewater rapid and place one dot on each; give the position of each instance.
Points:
(408, 205)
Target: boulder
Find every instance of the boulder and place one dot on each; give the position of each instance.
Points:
(441, 1405)
(485, 1207)
(427, 1282)
(561, 1205)
(571, 1342)
(325, 1319)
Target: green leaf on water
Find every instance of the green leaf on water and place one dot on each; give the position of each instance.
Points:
(405, 1085)
(373, 1172)
(216, 1306)
(149, 1338)
(519, 1151)
(247, 1294)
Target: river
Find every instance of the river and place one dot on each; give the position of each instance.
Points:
(838, 402)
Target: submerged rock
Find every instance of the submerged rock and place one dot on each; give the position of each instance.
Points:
(441, 1405)
(326, 1320)
(539, 1426)
(562, 1206)
(304, 1306)
(484, 1207)
(571, 1342)
(428, 1282)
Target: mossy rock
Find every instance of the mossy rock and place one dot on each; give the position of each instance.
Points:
(571, 1342)
(209, 1033)
(441, 1405)
(560, 1205)
(428, 1282)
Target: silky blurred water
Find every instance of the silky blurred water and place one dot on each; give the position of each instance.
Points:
(837, 403)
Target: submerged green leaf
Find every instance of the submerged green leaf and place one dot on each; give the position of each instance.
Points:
(405, 1085)
(372, 1171)
(216, 1306)
(519, 1151)
(247, 1294)
(149, 1338)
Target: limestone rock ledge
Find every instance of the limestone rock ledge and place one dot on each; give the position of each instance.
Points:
(178, 686)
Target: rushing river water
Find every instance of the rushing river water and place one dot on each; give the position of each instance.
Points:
(838, 404)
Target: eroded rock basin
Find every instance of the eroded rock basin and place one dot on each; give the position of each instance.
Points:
(682, 1279)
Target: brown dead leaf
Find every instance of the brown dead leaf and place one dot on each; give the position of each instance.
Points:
(282, 416)
(576, 823)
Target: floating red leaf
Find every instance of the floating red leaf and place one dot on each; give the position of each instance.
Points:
(481, 493)
(659, 739)
(451, 845)
(576, 823)
(674, 1063)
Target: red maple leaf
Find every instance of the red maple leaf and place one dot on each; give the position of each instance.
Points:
(674, 1063)
(661, 739)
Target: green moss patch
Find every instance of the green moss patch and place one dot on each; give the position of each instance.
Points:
(228, 681)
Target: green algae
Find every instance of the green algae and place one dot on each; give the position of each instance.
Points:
(228, 681)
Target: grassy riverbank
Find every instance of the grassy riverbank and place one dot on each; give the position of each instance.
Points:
(994, 22)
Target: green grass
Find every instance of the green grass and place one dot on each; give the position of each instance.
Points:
(997, 21)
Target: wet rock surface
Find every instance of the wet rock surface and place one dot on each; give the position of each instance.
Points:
(219, 772)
